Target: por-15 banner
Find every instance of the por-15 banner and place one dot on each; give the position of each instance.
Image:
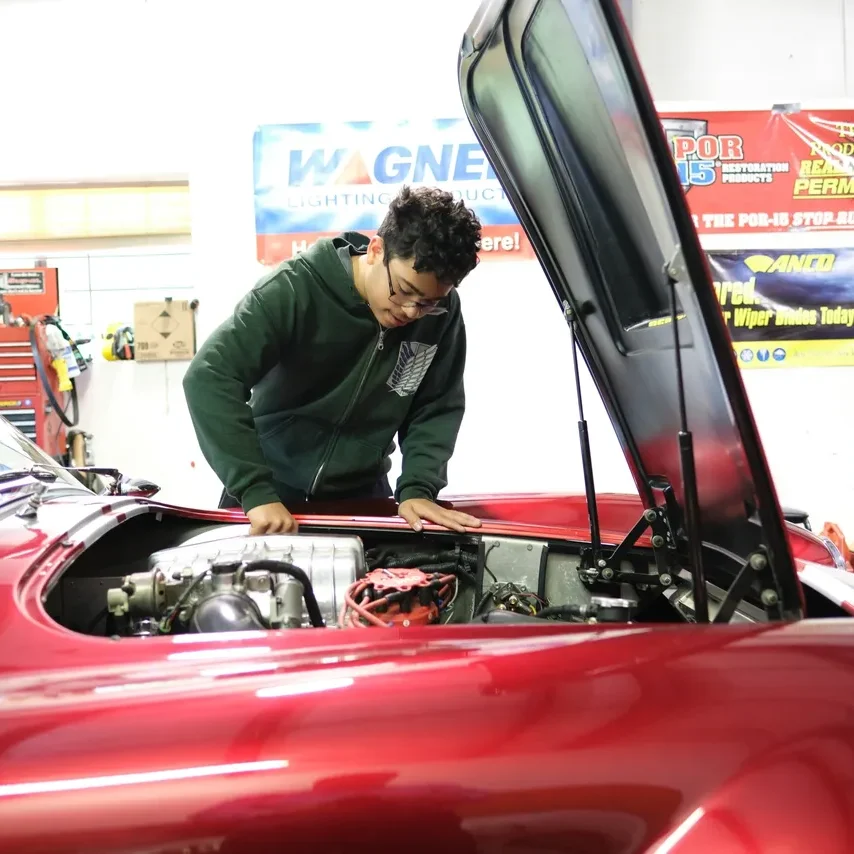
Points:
(743, 172)
(787, 309)
(772, 171)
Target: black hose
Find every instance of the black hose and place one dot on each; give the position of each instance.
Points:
(40, 370)
(462, 564)
(577, 611)
(479, 605)
(314, 615)
(388, 558)
(101, 615)
(450, 569)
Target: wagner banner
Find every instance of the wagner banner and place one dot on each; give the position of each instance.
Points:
(765, 171)
(316, 180)
(787, 309)
(743, 172)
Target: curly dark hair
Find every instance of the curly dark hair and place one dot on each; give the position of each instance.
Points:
(440, 234)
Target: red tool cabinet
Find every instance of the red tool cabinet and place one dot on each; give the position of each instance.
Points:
(23, 400)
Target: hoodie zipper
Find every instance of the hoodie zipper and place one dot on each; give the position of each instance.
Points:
(330, 445)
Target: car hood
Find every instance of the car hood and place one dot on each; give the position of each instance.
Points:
(555, 95)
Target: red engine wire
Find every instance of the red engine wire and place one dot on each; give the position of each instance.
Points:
(352, 612)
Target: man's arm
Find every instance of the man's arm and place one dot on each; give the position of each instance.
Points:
(219, 382)
(429, 434)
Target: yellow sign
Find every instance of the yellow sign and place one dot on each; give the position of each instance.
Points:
(795, 354)
(787, 309)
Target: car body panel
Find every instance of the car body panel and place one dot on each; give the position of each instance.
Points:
(541, 738)
(564, 738)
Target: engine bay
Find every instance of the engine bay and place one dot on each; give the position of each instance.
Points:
(157, 574)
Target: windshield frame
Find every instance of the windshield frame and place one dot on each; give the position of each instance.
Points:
(17, 452)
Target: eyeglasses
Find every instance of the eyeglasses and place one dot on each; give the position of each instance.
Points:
(424, 307)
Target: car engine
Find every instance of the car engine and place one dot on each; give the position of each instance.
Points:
(218, 582)
(158, 574)
(223, 580)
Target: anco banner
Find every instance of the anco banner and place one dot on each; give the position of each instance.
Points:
(315, 180)
(767, 171)
(787, 309)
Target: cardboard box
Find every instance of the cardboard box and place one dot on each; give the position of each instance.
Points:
(164, 331)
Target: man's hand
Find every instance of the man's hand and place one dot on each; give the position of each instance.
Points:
(416, 509)
(271, 519)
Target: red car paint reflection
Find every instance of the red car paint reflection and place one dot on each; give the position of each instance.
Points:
(482, 738)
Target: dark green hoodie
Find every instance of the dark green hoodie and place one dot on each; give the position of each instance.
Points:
(329, 387)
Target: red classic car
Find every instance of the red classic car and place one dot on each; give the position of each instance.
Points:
(671, 671)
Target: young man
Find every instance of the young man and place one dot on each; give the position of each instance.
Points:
(300, 393)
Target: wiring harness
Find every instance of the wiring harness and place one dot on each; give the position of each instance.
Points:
(396, 597)
(408, 588)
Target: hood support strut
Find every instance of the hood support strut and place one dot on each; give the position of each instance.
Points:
(584, 438)
(669, 523)
(595, 566)
(687, 464)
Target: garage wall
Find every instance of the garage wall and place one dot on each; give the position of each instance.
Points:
(97, 288)
(746, 50)
(171, 87)
(94, 89)
(752, 54)
(518, 377)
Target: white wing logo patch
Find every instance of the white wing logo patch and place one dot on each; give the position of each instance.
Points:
(413, 362)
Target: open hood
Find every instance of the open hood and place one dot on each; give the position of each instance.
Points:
(554, 93)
